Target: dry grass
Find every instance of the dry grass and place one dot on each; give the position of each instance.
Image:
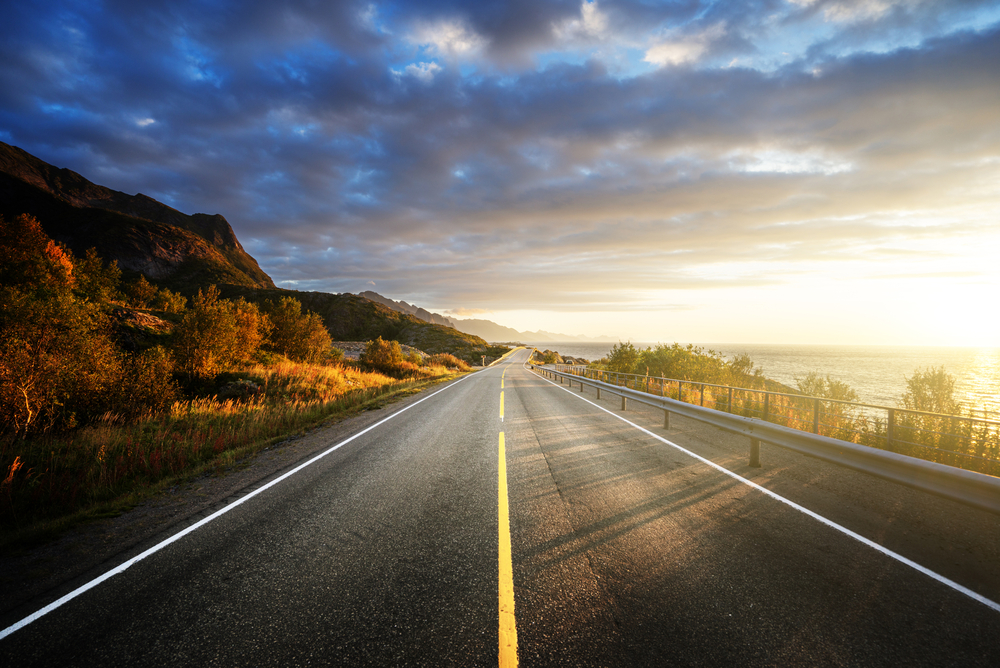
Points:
(53, 480)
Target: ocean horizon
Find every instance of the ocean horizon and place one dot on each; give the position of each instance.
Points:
(877, 373)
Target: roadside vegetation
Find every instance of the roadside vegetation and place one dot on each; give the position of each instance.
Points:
(928, 422)
(110, 390)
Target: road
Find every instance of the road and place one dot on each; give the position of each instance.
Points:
(623, 549)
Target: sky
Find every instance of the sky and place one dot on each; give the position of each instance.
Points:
(801, 171)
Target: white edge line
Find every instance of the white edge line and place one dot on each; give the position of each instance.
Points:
(197, 525)
(830, 523)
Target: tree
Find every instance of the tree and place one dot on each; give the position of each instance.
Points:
(931, 390)
(299, 336)
(96, 281)
(814, 385)
(141, 292)
(59, 365)
(215, 334)
(623, 357)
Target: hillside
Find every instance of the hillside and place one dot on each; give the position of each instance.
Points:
(351, 317)
(144, 236)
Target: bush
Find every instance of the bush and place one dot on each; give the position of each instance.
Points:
(381, 355)
(448, 361)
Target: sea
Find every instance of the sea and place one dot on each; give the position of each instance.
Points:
(877, 373)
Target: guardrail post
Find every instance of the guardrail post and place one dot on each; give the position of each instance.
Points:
(623, 402)
(730, 400)
(755, 453)
(680, 391)
(581, 387)
(889, 429)
(666, 419)
(598, 393)
(767, 395)
(816, 410)
(702, 402)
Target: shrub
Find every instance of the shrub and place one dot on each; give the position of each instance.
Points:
(448, 361)
(384, 356)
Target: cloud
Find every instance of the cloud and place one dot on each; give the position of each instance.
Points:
(592, 24)
(450, 38)
(424, 72)
(684, 49)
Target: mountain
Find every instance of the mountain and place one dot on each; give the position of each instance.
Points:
(191, 252)
(177, 250)
(403, 307)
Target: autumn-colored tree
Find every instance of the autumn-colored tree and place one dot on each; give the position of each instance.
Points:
(29, 257)
(58, 362)
(169, 301)
(299, 336)
(216, 334)
(96, 281)
(141, 293)
(384, 356)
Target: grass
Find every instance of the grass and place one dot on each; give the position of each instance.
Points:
(54, 481)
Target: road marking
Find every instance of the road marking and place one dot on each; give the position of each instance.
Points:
(501, 405)
(508, 624)
(222, 511)
(830, 523)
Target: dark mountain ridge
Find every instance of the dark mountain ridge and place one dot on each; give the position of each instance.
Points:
(403, 307)
(143, 235)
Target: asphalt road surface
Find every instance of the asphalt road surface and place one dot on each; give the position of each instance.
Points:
(624, 549)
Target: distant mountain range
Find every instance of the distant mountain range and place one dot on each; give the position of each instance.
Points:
(491, 331)
(403, 307)
(485, 329)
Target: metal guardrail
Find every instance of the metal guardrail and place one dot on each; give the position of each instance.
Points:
(962, 441)
(974, 489)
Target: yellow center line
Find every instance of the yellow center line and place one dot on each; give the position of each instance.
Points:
(508, 625)
(501, 405)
